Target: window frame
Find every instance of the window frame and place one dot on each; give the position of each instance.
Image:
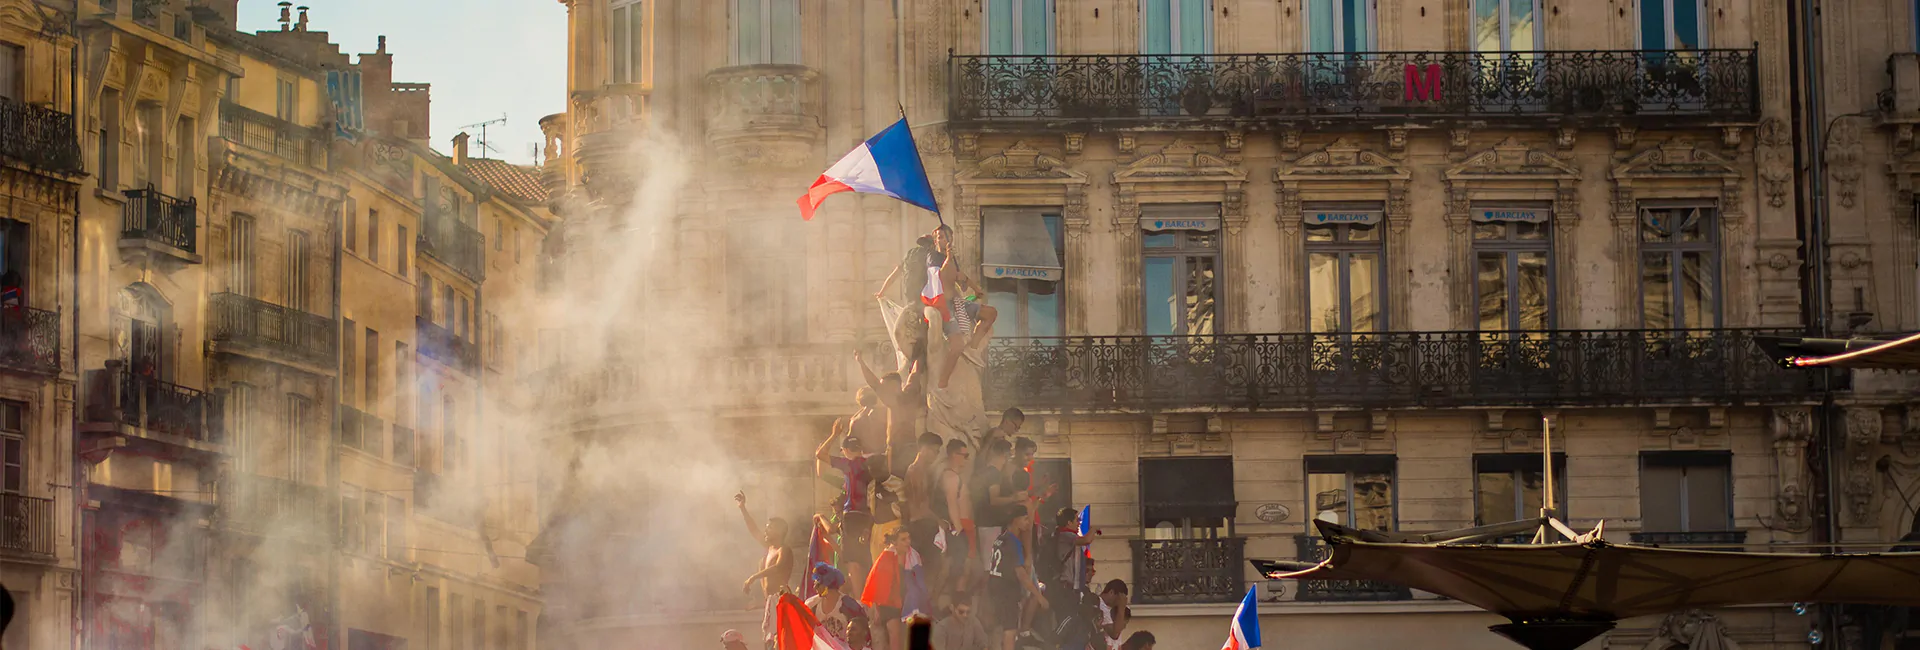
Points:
(1510, 247)
(1186, 526)
(299, 268)
(1504, 33)
(1016, 12)
(1371, 22)
(1639, 25)
(1184, 252)
(1512, 465)
(619, 12)
(1676, 254)
(1345, 247)
(1015, 311)
(18, 436)
(769, 45)
(243, 239)
(1349, 465)
(1686, 460)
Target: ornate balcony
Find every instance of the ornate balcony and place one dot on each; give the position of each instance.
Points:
(765, 115)
(606, 129)
(263, 133)
(26, 525)
(265, 505)
(1713, 540)
(443, 346)
(157, 222)
(1397, 369)
(1310, 548)
(30, 340)
(1184, 571)
(38, 137)
(127, 403)
(1241, 89)
(240, 322)
(456, 245)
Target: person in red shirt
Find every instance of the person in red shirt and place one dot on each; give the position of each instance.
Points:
(885, 592)
(856, 509)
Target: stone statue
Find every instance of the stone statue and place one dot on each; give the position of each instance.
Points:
(959, 409)
(1691, 630)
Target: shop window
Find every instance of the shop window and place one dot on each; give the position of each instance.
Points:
(1021, 251)
(1180, 257)
(1513, 270)
(1353, 491)
(1679, 267)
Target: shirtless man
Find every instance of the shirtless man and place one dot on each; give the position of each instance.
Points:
(905, 402)
(776, 568)
(922, 521)
(955, 506)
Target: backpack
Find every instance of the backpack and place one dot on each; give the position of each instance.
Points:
(1054, 563)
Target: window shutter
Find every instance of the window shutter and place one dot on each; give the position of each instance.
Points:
(1156, 25)
(1707, 498)
(1000, 27)
(1320, 25)
(747, 34)
(1036, 27)
(785, 31)
(1194, 18)
(1660, 489)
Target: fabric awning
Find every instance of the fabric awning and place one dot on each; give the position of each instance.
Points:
(1016, 245)
(1179, 488)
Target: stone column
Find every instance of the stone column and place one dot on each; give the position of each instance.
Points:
(1233, 269)
(1126, 229)
(1460, 253)
(1291, 253)
(1737, 273)
(1079, 260)
(1626, 269)
(1399, 269)
(1566, 266)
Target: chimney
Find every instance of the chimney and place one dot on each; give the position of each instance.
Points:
(286, 15)
(383, 45)
(460, 149)
(303, 20)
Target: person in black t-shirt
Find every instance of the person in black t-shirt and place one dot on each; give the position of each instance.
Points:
(1010, 584)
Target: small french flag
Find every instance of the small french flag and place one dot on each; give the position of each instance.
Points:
(1245, 634)
(795, 627)
(887, 164)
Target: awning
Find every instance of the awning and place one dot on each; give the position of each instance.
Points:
(1016, 245)
(1179, 488)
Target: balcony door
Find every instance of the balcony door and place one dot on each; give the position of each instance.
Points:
(1176, 26)
(1507, 25)
(1673, 24)
(765, 31)
(1339, 26)
(1181, 262)
(1019, 27)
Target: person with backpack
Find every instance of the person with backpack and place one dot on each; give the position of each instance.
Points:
(1063, 545)
(1010, 580)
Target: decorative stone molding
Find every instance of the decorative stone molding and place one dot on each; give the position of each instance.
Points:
(1182, 173)
(1691, 630)
(1344, 171)
(1775, 155)
(1681, 169)
(1863, 480)
(1163, 439)
(1792, 428)
(1350, 441)
(1511, 170)
(1845, 151)
(1022, 175)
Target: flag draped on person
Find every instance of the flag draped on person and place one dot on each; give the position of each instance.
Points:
(887, 164)
(795, 627)
(1245, 633)
(819, 550)
(934, 294)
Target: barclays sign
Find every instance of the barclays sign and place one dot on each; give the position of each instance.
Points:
(1338, 217)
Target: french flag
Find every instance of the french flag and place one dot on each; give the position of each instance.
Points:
(934, 294)
(887, 164)
(1245, 634)
(795, 628)
(1086, 552)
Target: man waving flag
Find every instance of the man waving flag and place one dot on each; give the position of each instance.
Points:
(1245, 634)
(887, 164)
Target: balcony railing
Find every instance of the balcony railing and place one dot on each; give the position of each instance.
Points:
(266, 504)
(41, 138)
(155, 217)
(30, 340)
(1586, 85)
(118, 396)
(444, 346)
(272, 135)
(1713, 540)
(1310, 548)
(298, 334)
(1188, 570)
(1397, 369)
(26, 525)
(456, 245)
(747, 99)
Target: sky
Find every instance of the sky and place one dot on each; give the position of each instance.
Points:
(483, 57)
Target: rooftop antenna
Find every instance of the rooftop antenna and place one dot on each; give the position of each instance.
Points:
(484, 147)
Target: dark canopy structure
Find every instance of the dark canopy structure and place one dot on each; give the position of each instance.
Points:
(1899, 353)
(1559, 596)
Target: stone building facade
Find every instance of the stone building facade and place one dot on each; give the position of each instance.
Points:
(1265, 262)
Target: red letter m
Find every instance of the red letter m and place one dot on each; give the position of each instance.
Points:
(1418, 89)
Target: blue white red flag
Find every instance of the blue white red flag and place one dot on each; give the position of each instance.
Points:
(935, 294)
(1085, 557)
(1245, 634)
(819, 550)
(887, 164)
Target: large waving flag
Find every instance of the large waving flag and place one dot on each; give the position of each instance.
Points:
(887, 164)
(1085, 557)
(795, 628)
(1245, 634)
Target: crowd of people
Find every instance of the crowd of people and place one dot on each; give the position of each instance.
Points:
(948, 530)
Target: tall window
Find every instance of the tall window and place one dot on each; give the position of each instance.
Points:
(373, 236)
(1686, 492)
(299, 257)
(1019, 27)
(1679, 267)
(1346, 269)
(352, 229)
(240, 426)
(349, 360)
(1339, 25)
(16, 262)
(1353, 491)
(13, 447)
(1508, 487)
(1672, 24)
(449, 422)
(1186, 498)
(299, 419)
(286, 100)
(396, 529)
(352, 519)
(1513, 281)
(627, 42)
(1022, 274)
(479, 623)
(1180, 256)
(109, 153)
(184, 169)
(766, 31)
(400, 245)
(240, 247)
(149, 143)
(432, 633)
(403, 391)
(12, 72)
(373, 351)
(1507, 25)
(1176, 26)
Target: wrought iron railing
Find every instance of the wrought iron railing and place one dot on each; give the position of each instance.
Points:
(1188, 570)
(241, 319)
(30, 340)
(1310, 548)
(266, 504)
(272, 135)
(1712, 540)
(159, 218)
(41, 138)
(1716, 84)
(117, 395)
(1431, 369)
(26, 525)
(456, 245)
(444, 346)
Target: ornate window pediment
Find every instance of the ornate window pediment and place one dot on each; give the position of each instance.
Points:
(1179, 161)
(1343, 160)
(1675, 159)
(1512, 160)
(21, 14)
(1020, 162)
